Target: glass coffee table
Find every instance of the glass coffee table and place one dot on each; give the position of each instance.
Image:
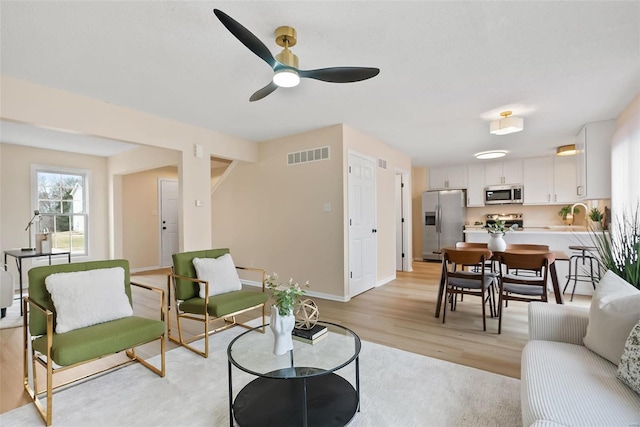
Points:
(299, 388)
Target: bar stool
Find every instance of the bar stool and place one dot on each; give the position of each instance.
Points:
(576, 276)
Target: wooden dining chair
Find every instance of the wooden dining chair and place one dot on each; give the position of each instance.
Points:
(528, 247)
(522, 288)
(460, 282)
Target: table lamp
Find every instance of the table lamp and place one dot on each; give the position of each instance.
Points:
(36, 213)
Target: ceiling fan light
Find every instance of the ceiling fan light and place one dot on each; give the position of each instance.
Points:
(286, 78)
(493, 154)
(566, 150)
(506, 125)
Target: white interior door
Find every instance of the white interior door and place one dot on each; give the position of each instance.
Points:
(362, 231)
(169, 237)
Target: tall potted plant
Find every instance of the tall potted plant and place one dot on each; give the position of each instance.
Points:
(617, 250)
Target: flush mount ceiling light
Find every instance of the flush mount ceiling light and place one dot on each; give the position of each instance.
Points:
(494, 154)
(507, 124)
(566, 150)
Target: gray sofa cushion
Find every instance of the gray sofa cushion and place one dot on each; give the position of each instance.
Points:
(569, 384)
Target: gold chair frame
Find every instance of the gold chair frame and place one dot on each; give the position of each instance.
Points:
(207, 319)
(45, 361)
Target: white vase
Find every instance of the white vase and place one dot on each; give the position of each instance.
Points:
(496, 242)
(281, 326)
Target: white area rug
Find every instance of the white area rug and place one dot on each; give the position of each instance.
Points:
(13, 318)
(397, 389)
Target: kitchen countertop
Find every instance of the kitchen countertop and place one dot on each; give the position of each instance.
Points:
(550, 229)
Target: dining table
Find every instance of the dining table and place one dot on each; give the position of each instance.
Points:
(558, 256)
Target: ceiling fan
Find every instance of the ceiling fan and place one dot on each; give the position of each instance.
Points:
(285, 64)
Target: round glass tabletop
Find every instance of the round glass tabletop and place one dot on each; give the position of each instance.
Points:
(252, 352)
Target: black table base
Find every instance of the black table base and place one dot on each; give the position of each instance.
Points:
(330, 401)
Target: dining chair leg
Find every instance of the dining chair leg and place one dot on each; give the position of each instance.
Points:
(500, 298)
(484, 317)
(446, 295)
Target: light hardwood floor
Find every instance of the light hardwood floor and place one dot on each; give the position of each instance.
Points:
(400, 314)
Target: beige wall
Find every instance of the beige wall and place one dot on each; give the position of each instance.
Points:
(397, 162)
(141, 232)
(15, 191)
(38, 105)
(270, 214)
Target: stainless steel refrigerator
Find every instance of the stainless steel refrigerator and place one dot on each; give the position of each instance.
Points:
(444, 215)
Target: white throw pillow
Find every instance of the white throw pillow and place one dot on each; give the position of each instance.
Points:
(219, 272)
(629, 367)
(615, 309)
(85, 298)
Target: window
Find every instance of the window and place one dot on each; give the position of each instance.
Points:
(61, 197)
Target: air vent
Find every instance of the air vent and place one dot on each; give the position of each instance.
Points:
(382, 163)
(306, 156)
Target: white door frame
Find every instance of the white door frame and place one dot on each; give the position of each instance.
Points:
(403, 237)
(351, 258)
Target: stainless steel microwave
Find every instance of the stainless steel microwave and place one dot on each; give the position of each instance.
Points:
(503, 195)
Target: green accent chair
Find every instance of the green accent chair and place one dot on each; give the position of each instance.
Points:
(58, 352)
(187, 303)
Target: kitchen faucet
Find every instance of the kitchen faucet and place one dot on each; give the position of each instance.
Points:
(586, 208)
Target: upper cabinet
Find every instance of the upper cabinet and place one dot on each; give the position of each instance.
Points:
(475, 184)
(593, 161)
(549, 180)
(448, 178)
(506, 172)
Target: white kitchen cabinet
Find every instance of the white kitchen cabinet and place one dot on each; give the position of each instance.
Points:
(564, 180)
(448, 177)
(475, 184)
(506, 172)
(593, 161)
(549, 180)
(538, 180)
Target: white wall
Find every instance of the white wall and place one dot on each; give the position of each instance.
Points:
(625, 160)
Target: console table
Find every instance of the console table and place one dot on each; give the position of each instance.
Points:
(19, 255)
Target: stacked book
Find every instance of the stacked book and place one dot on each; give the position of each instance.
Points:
(310, 336)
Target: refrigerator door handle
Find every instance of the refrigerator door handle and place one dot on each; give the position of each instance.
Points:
(437, 218)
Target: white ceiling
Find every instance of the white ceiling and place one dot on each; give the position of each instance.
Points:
(447, 68)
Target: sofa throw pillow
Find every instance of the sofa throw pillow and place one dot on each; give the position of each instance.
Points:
(219, 272)
(85, 298)
(629, 367)
(615, 309)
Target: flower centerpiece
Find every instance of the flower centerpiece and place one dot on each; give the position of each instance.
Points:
(500, 227)
(285, 295)
(496, 232)
(285, 298)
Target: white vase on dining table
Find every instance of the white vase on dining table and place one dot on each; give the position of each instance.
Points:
(496, 242)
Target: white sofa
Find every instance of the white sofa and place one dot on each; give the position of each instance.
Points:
(563, 382)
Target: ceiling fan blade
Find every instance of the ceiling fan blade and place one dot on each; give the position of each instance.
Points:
(340, 74)
(261, 93)
(246, 37)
